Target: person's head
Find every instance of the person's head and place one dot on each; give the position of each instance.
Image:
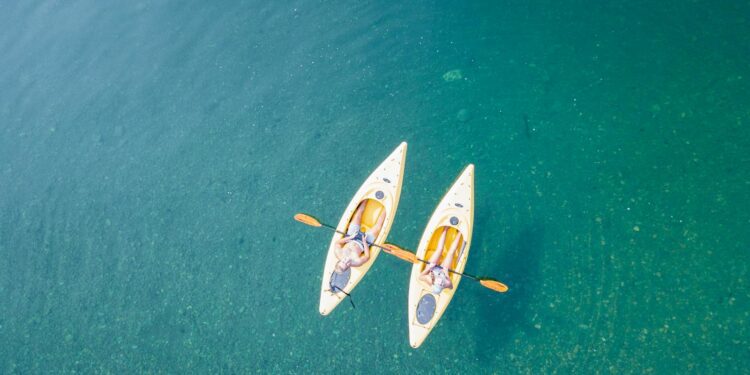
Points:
(343, 265)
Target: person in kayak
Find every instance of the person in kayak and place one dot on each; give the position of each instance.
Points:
(354, 249)
(437, 276)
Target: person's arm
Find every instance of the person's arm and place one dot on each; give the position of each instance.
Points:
(338, 248)
(338, 251)
(364, 258)
(367, 247)
(345, 239)
(426, 270)
(425, 275)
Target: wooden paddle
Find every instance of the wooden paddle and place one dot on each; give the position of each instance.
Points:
(313, 222)
(412, 258)
(406, 255)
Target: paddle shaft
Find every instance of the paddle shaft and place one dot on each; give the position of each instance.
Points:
(344, 234)
(453, 271)
(402, 254)
(388, 251)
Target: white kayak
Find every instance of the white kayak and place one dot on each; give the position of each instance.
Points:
(382, 191)
(456, 212)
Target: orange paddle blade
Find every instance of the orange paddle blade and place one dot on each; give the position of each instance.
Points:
(400, 253)
(389, 247)
(307, 219)
(494, 285)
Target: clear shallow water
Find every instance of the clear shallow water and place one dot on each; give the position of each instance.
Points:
(152, 156)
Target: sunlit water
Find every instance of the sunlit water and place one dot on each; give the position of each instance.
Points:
(152, 155)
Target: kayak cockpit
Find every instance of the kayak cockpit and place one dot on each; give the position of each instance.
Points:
(373, 209)
(432, 247)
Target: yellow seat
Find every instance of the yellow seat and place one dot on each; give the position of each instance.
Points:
(370, 216)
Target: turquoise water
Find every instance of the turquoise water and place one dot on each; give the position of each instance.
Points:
(152, 155)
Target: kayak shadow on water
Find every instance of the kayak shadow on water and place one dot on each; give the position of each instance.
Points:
(499, 318)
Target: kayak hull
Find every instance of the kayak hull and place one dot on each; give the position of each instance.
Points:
(456, 212)
(382, 190)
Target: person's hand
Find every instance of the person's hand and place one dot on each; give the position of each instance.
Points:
(344, 240)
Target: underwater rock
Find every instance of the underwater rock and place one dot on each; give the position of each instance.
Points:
(453, 75)
(463, 115)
